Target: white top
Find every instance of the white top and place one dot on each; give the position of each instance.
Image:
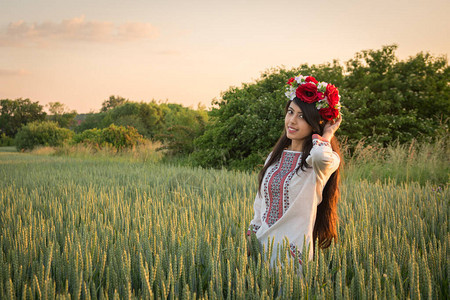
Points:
(287, 203)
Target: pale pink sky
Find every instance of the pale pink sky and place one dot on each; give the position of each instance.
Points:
(188, 52)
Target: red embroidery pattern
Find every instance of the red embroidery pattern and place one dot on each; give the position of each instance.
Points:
(293, 249)
(252, 228)
(317, 142)
(276, 186)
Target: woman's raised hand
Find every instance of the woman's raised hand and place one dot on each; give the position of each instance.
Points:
(330, 128)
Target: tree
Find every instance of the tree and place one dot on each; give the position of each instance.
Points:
(388, 100)
(129, 114)
(60, 114)
(113, 102)
(16, 113)
(92, 120)
(56, 108)
(145, 117)
(151, 115)
(181, 126)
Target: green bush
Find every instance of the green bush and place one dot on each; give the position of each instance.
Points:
(92, 137)
(41, 133)
(118, 137)
(6, 141)
(121, 137)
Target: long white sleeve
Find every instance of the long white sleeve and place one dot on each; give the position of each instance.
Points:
(322, 158)
(255, 223)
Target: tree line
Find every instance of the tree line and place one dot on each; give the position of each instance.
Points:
(385, 100)
(172, 124)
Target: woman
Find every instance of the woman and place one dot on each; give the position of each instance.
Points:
(298, 185)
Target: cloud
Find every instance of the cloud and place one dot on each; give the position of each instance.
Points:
(21, 33)
(136, 30)
(6, 73)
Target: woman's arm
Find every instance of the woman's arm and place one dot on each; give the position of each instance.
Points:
(255, 223)
(322, 157)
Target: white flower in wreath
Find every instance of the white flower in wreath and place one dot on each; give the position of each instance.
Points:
(322, 86)
(322, 103)
(300, 79)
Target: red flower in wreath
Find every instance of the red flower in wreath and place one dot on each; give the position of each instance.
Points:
(310, 78)
(291, 80)
(307, 92)
(332, 94)
(329, 113)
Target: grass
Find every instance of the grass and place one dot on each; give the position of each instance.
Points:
(8, 149)
(84, 227)
(423, 163)
(144, 152)
(414, 162)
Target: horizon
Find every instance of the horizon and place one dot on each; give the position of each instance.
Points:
(79, 53)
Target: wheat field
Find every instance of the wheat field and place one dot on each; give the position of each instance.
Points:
(80, 228)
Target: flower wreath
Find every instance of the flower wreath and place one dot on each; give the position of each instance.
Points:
(309, 90)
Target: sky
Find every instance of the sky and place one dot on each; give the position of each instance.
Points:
(190, 51)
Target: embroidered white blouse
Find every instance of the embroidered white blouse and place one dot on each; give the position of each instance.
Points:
(287, 203)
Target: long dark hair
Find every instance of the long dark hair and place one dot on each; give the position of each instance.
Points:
(325, 228)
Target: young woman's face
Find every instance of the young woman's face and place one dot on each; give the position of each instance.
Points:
(297, 129)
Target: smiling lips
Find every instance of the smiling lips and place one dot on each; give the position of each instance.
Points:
(292, 130)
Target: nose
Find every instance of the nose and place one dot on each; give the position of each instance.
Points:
(292, 120)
